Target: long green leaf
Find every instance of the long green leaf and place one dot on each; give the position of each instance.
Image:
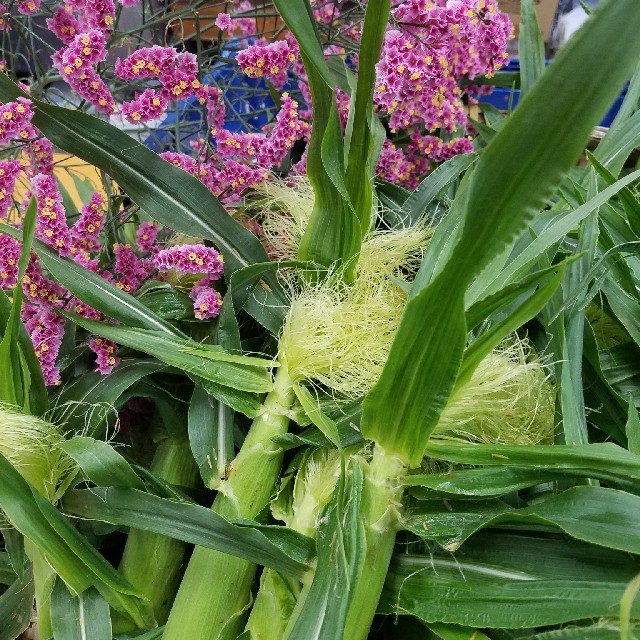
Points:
(485, 594)
(606, 517)
(190, 523)
(38, 397)
(81, 617)
(239, 372)
(14, 383)
(416, 204)
(530, 47)
(360, 163)
(170, 195)
(89, 402)
(16, 606)
(561, 225)
(605, 458)
(101, 463)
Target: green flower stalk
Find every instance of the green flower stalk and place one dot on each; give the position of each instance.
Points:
(32, 446)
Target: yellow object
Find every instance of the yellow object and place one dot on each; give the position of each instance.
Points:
(65, 167)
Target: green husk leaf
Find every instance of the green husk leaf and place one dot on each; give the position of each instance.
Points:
(79, 617)
(190, 523)
(16, 606)
(101, 463)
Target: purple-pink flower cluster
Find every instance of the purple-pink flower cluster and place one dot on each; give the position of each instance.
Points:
(268, 150)
(437, 43)
(207, 302)
(46, 329)
(190, 258)
(9, 172)
(15, 121)
(269, 59)
(131, 269)
(146, 235)
(51, 224)
(196, 259)
(176, 72)
(9, 256)
(76, 63)
(86, 230)
(105, 351)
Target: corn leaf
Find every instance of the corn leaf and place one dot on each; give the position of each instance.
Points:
(530, 47)
(101, 463)
(210, 436)
(79, 617)
(38, 397)
(490, 592)
(204, 361)
(191, 523)
(593, 632)
(416, 204)
(88, 403)
(341, 548)
(16, 607)
(482, 483)
(71, 556)
(15, 382)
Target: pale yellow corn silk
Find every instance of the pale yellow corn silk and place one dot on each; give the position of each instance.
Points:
(32, 446)
(339, 336)
(285, 213)
(508, 400)
(302, 497)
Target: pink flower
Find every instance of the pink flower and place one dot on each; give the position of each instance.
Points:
(4, 23)
(105, 351)
(51, 224)
(269, 59)
(223, 21)
(39, 289)
(181, 160)
(9, 256)
(27, 7)
(76, 62)
(86, 230)
(64, 24)
(15, 121)
(45, 328)
(132, 269)
(190, 258)
(9, 172)
(177, 72)
(146, 235)
(146, 106)
(207, 302)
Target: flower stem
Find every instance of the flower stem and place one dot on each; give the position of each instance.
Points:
(215, 591)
